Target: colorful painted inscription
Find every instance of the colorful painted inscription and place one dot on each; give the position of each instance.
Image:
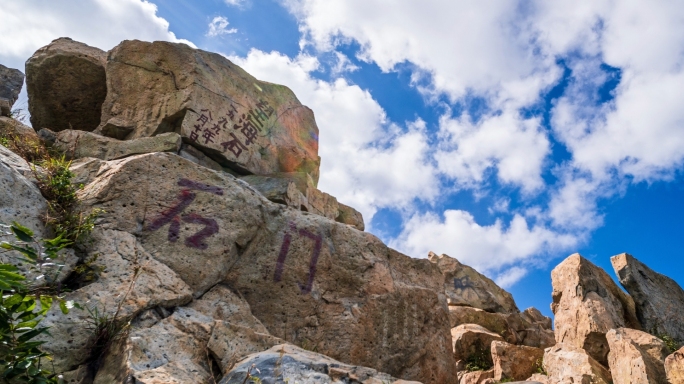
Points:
(285, 248)
(247, 126)
(174, 215)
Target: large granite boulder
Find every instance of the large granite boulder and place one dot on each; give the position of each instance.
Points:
(289, 364)
(471, 340)
(251, 126)
(659, 300)
(587, 304)
(20, 198)
(636, 357)
(309, 280)
(66, 85)
(567, 364)
(514, 361)
(11, 81)
(674, 367)
(465, 286)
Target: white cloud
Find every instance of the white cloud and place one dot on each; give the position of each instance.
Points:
(366, 161)
(219, 26)
(235, 3)
(515, 146)
(30, 24)
(487, 248)
(343, 65)
(509, 277)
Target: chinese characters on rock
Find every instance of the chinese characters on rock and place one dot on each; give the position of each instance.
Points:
(245, 130)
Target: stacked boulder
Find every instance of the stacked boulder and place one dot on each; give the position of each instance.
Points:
(145, 97)
(491, 339)
(11, 82)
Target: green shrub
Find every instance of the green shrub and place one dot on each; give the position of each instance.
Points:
(480, 360)
(22, 310)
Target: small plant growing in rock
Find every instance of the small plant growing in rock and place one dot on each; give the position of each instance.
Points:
(479, 360)
(251, 378)
(539, 366)
(670, 343)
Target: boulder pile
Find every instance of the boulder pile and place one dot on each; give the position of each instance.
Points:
(222, 261)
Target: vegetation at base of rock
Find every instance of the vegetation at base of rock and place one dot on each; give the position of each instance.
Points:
(21, 309)
(107, 330)
(480, 360)
(670, 343)
(539, 366)
(51, 170)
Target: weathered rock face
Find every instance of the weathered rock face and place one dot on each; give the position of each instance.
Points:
(11, 81)
(674, 367)
(471, 339)
(286, 363)
(466, 286)
(514, 361)
(9, 126)
(659, 300)
(477, 377)
(20, 199)
(587, 304)
(78, 144)
(567, 364)
(636, 357)
(309, 280)
(529, 327)
(66, 86)
(242, 123)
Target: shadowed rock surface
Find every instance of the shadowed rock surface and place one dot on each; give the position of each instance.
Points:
(659, 300)
(11, 81)
(66, 86)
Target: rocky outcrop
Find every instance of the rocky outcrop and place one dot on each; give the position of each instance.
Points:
(11, 81)
(78, 144)
(10, 126)
(587, 304)
(287, 363)
(567, 364)
(674, 367)
(251, 126)
(465, 286)
(20, 199)
(309, 280)
(529, 327)
(659, 300)
(66, 85)
(636, 357)
(514, 361)
(297, 190)
(476, 377)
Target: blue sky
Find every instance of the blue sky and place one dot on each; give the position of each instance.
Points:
(506, 134)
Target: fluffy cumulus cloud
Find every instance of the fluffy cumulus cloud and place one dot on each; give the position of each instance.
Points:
(31, 24)
(367, 162)
(219, 26)
(509, 54)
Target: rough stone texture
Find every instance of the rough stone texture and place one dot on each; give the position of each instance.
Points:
(309, 280)
(636, 357)
(674, 367)
(66, 86)
(287, 363)
(529, 327)
(86, 169)
(514, 361)
(537, 378)
(118, 254)
(465, 286)
(278, 190)
(321, 203)
(567, 364)
(659, 300)
(350, 216)
(14, 127)
(477, 377)
(20, 199)
(242, 123)
(587, 304)
(77, 144)
(11, 81)
(468, 339)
